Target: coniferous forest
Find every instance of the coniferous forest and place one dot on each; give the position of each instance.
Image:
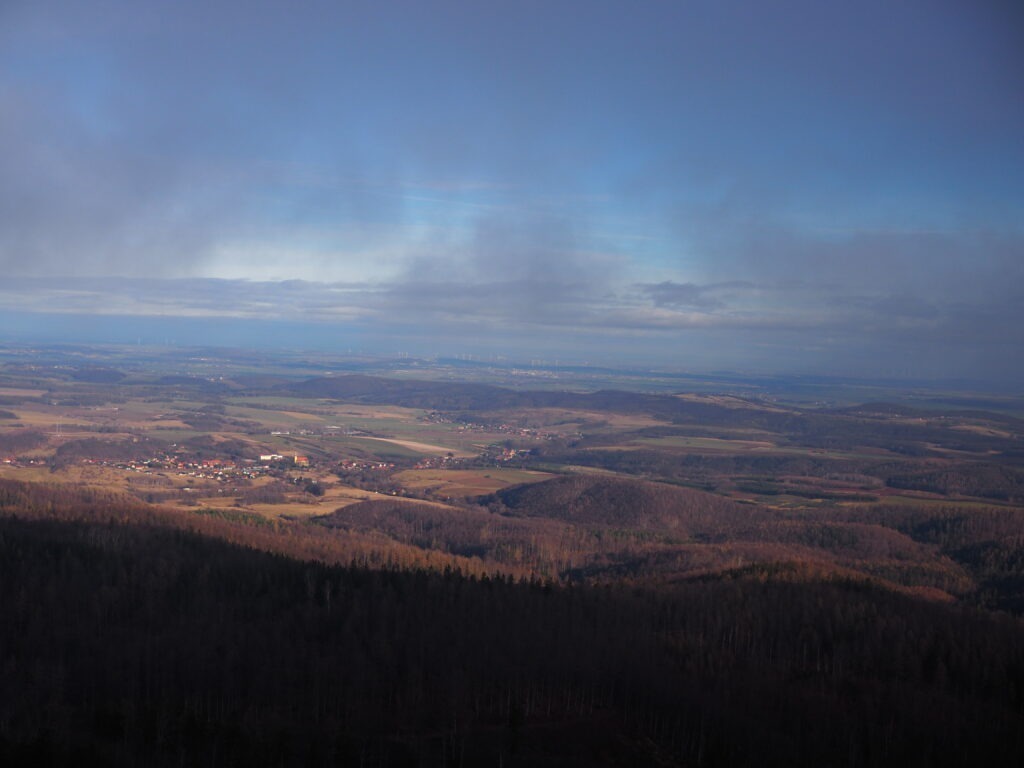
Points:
(145, 645)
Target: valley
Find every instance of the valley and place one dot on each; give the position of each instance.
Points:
(567, 485)
(523, 575)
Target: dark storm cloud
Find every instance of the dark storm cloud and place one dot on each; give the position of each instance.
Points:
(150, 121)
(887, 256)
(815, 179)
(790, 327)
(948, 288)
(74, 205)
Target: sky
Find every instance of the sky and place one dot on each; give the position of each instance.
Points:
(784, 187)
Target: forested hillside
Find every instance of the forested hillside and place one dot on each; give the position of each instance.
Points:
(138, 645)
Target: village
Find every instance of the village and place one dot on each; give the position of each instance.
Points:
(514, 430)
(282, 466)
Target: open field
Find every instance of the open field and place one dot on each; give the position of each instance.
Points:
(28, 474)
(461, 483)
(731, 446)
(730, 401)
(566, 420)
(709, 443)
(16, 392)
(306, 408)
(36, 418)
(426, 449)
(306, 507)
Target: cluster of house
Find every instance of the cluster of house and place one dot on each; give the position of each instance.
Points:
(436, 417)
(328, 431)
(212, 469)
(438, 462)
(355, 465)
(509, 454)
(298, 461)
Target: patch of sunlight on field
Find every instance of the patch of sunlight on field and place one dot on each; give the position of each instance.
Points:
(300, 415)
(288, 509)
(32, 418)
(467, 482)
(905, 499)
(580, 469)
(304, 507)
(427, 449)
(27, 474)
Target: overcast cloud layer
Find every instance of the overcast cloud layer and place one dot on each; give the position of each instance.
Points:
(792, 186)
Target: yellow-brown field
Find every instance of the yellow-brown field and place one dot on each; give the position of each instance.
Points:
(467, 482)
(299, 505)
(17, 392)
(425, 448)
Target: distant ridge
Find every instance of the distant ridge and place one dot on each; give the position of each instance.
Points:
(841, 428)
(409, 393)
(442, 395)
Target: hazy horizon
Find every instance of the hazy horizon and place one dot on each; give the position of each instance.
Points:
(797, 188)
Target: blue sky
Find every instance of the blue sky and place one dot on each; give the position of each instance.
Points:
(827, 187)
